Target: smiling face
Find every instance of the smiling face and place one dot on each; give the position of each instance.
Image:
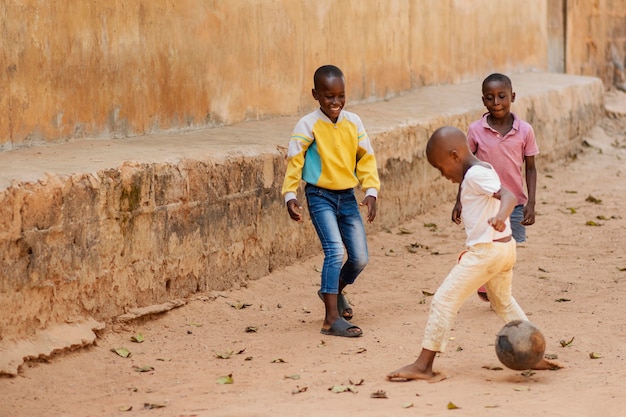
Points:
(497, 98)
(330, 92)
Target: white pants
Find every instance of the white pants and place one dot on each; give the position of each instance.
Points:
(489, 264)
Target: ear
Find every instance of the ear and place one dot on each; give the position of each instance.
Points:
(314, 93)
(513, 97)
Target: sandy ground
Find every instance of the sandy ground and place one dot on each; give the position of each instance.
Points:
(570, 278)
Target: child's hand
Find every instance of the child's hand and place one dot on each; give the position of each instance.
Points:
(370, 202)
(294, 208)
(497, 224)
(529, 215)
(456, 213)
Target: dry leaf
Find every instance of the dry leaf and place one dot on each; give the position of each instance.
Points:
(592, 199)
(404, 231)
(150, 406)
(240, 306)
(343, 388)
(564, 343)
(431, 226)
(226, 379)
(278, 360)
(594, 355)
(138, 338)
(298, 390)
(452, 406)
(122, 351)
(407, 405)
(125, 408)
(252, 329)
(224, 355)
(294, 377)
(146, 368)
(378, 394)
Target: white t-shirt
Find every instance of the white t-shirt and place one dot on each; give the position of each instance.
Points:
(479, 205)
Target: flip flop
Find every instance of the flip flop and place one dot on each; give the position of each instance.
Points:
(341, 327)
(343, 306)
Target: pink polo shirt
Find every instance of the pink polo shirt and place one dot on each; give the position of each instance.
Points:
(506, 154)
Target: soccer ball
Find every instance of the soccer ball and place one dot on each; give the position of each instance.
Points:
(520, 345)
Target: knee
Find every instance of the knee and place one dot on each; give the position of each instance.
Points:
(335, 254)
(360, 262)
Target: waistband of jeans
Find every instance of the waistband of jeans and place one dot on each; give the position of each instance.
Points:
(315, 187)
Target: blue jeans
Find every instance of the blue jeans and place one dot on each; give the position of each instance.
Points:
(338, 223)
(518, 229)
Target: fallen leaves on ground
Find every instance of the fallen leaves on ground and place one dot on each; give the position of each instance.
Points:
(239, 306)
(122, 351)
(343, 388)
(378, 394)
(299, 390)
(150, 406)
(138, 338)
(226, 379)
(146, 368)
(592, 199)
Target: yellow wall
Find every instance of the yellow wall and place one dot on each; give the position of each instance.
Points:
(594, 28)
(116, 68)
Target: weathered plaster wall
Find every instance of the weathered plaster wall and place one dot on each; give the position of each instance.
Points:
(596, 40)
(135, 222)
(117, 68)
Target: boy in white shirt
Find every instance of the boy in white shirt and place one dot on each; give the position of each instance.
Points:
(488, 259)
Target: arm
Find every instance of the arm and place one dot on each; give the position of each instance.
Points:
(531, 185)
(366, 171)
(507, 204)
(456, 211)
(370, 202)
(294, 208)
(298, 146)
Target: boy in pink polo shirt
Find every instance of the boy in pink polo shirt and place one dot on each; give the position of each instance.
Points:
(508, 143)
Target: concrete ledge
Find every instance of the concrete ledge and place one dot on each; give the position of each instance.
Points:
(91, 229)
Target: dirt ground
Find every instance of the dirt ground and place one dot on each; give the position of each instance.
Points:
(570, 278)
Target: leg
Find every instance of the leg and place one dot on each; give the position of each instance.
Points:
(500, 285)
(518, 229)
(460, 284)
(422, 368)
(355, 241)
(323, 207)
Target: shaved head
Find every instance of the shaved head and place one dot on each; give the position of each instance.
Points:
(446, 138)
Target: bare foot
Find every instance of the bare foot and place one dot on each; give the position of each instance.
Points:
(544, 365)
(411, 372)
